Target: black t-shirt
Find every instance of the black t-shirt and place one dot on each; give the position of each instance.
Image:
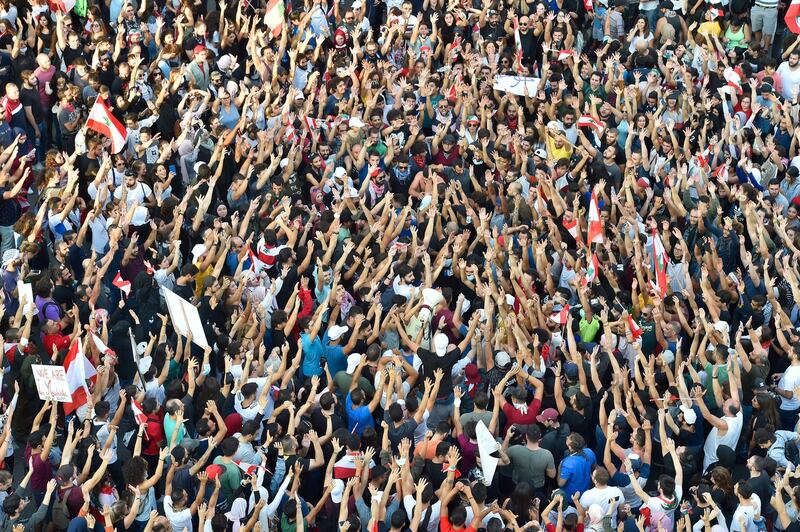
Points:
(431, 361)
(580, 422)
(30, 98)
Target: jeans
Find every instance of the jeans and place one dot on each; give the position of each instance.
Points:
(6, 238)
(442, 409)
(788, 418)
(651, 16)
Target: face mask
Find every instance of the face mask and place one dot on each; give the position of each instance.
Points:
(470, 278)
(206, 369)
(556, 339)
(402, 175)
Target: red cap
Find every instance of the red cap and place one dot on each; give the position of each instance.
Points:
(472, 373)
(199, 48)
(213, 471)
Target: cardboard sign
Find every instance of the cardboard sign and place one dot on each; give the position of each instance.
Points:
(51, 383)
(185, 318)
(516, 85)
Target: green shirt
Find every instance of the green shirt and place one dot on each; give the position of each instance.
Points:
(230, 479)
(588, 329)
(169, 427)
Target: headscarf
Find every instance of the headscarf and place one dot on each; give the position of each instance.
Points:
(237, 512)
(78, 524)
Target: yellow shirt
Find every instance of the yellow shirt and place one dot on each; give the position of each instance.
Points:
(564, 152)
(710, 28)
(200, 277)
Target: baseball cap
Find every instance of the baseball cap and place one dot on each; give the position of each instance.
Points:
(540, 153)
(571, 370)
(548, 414)
(213, 471)
(449, 139)
(199, 48)
(440, 343)
(502, 359)
(355, 122)
(352, 362)
(689, 415)
(336, 332)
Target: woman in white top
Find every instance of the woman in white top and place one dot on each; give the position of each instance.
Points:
(640, 33)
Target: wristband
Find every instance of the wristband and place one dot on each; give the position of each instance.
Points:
(401, 462)
(451, 468)
(457, 401)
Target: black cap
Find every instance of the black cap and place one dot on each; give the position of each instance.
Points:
(793, 171)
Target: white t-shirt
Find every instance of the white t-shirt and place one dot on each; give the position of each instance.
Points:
(790, 79)
(99, 228)
(789, 381)
(139, 193)
(601, 496)
(730, 439)
(178, 520)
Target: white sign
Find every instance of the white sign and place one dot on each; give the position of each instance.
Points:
(51, 383)
(516, 85)
(25, 291)
(185, 318)
(486, 446)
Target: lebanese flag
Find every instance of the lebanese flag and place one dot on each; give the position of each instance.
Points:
(561, 316)
(345, 467)
(249, 469)
(122, 284)
(734, 79)
(65, 6)
(571, 227)
(792, 16)
(314, 124)
(266, 255)
(704, 157)
(564, 54)
(518, 45)
(274, 16)
(660, 258)
(589, 121)
(716, 13)
(720, 171)
(103, 348)
(10, 351)
(78, 370)
(455, 47)
(591, 270)
(105, 123)
(588, 5)
(253, 259)
(595, 233)
(636, 331)
(138, 413)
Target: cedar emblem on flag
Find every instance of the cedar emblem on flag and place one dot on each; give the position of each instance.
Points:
(589, 121)
(274, 16)
(560, 317)
(659, 257)
(591, 270)
(105, 123)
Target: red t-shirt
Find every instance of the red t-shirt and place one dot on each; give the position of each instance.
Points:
(155, 434)
(58, 340)
(515, 417)
(446, 526)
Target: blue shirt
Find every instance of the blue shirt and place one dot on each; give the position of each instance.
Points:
(334, 354)
(576, 469)
(312, 352)
(358, 418)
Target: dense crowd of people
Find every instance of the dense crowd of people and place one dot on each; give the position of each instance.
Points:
(389, 265)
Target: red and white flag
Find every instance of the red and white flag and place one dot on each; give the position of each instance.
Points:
(560, 317)
(704, 158)
(595, 233)
(571, 227)
(65, 6)
(78, 370)
(345, 467)
(564, 54)
(102, 347)
(105, 123)
(138, 413)
(591, 270)
(274, 16)
(792, 17)
(734, 79)
(636, 331)
(720, 171)
(122, 284)
(660, 259)
(518, 46)
(589, 121)
(588, 5)
(266, 255)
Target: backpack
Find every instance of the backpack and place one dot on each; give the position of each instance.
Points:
(60, 513)
(791, 451)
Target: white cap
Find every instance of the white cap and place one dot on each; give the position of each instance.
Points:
(9, 255)
(337, 491)
(440, 343)
(197, 251)
(336, 332)
(339, 172)
(357, 4)
(668, 356)
(352, 362)
(689, 415)
(355, 122)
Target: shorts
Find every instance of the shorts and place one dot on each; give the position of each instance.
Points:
(764, 19)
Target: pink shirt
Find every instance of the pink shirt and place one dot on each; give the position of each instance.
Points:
(44, 76)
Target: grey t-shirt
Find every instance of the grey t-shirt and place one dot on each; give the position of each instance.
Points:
(530, 465)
